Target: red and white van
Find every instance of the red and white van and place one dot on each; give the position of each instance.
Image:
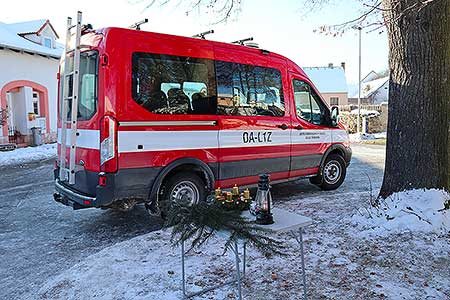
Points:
(167, 117)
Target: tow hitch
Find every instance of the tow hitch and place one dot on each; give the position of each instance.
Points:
(64, 200)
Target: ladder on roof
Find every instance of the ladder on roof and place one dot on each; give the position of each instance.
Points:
(70, 98)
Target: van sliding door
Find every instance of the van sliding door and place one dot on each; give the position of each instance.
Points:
(254, 135)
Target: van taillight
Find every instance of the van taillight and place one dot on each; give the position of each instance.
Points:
(108, 144)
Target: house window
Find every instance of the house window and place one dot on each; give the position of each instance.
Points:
(36, 103)
(334, 101)
(48, 42)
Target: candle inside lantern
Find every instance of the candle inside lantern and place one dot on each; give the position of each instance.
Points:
(263, 201)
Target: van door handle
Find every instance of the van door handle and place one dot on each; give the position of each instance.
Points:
(298, 127)
(283, 126)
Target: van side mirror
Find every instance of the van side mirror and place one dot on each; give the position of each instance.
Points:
(334, 116)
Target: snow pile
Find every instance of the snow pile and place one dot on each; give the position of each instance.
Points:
(380, 135)
(358, 137)
(415, 210)
(28, 154)
(366, 113)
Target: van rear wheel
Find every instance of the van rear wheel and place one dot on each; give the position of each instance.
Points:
(333, 173)
(185, 187)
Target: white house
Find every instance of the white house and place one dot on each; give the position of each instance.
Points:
(374, 90)
(331, 83)
(29, 59)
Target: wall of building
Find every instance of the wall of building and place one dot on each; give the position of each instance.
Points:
(364, 101)
(41, 70)
(343, 97)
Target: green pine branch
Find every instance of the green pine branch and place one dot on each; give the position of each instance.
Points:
(199, 222)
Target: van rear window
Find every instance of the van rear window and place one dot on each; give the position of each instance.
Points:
(88, 86)
(166, 84)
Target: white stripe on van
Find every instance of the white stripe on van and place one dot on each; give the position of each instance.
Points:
(128, 141)
(89, 139)
(167, 140)
(340, 136)
(211, 139)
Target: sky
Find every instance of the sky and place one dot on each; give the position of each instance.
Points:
(280, 26)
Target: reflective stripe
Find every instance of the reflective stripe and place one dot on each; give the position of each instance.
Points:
(212, 139)
(340, 136)
(253, 138)
(87, 138)
(307, 136)
(166, 140)
(128, 141)
(169, 123)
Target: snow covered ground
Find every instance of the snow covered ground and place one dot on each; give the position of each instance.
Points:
(27, 154)
(347, 256)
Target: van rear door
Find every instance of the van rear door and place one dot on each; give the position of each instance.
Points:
(311, 135)
(88, 136)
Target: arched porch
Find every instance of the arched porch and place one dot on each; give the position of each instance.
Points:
(18, 99)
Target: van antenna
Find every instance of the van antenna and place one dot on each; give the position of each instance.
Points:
(203, 34)
(137, 25)
(242, 42)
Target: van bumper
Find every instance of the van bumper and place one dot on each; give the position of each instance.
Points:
(125, 184)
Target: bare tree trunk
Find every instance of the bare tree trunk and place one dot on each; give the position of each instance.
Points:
(417, 151)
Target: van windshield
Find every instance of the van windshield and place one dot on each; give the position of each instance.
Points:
(87, 91)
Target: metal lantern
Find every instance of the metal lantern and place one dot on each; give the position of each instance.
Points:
(263, 201)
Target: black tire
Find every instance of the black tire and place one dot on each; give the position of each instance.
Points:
(187, 186)
(332, 174)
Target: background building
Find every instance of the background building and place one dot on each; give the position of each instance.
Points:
(331, 83)
(29, 59)
(374, 90)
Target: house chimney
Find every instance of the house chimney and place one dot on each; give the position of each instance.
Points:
(343, 65)
(330, 65)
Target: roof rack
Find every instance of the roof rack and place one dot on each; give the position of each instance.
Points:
(137, 25)
(203, 34)
(242, 42)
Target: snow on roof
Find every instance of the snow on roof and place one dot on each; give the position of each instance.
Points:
(26, 27)
(372, 75)
(10, 38)
(370, 87)
(327, 79)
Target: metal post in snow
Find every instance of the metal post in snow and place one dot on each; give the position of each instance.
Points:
(359, 84)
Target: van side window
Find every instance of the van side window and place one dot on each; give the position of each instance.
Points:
(247, 90)
(166, 84)
(308, 105)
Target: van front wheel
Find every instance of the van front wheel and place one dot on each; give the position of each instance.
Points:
(185, 187)
(333, 173)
